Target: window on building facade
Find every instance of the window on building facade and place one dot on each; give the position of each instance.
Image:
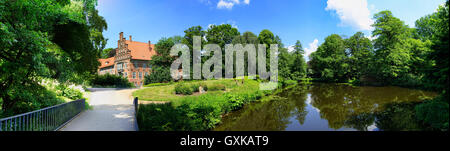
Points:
(134, 75)
(144, 65)
(140, 75)
(126, 76)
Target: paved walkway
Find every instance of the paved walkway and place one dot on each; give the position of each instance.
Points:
(113, 110)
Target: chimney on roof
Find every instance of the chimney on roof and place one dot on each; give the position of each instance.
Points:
(120, 35)
(150, 45)
(130, 38)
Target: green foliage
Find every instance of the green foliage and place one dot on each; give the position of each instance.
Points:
(195, 87)
(361, 54)
(289, 82)
(183, 89)
(157, 84)
(329, 63)
(73, 94)
(109, 80)
(162, 48)
(217, 87)
(160, 74)
(221, 35)
(434, 113)
(193, 114)
(41, 39)
(392, 60)
(107, 53)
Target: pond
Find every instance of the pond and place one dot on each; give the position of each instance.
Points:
(330, 107)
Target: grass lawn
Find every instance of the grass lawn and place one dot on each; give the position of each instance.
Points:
(167, 92)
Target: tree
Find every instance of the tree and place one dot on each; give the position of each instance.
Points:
(221, 35)
(329, 62)
(246, 38)
(435, 28)
(361, 54)
(108, 52)
(298, 66)
(189, 39)
(45, 39)
(161, 62)
(267, 38)
(284, 64)
(391, 58)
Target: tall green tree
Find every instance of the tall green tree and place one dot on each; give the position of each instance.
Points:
(298, 65)
(329, 63)
(435, 28)
(162, 61)
(267, 38)
(244, 39)
(221, 35)
(391, 58)
(361, 54)
(45, 39)
(284, 64)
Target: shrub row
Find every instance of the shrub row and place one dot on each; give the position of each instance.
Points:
(109, 80)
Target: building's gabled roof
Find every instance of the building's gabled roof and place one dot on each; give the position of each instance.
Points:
(140, 50)
(106, 62)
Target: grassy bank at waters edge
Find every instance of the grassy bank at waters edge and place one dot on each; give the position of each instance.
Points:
(194, 112)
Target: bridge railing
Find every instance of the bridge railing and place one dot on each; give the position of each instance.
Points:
(136, 106)
(46, 119)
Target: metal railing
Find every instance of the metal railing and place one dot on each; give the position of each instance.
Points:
(136, 106)
(46, 119)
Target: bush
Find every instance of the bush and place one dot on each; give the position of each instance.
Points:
(159, 75)
(184, 89)
(217, 87)
(109, 80)
(195, 87)
(73, 94)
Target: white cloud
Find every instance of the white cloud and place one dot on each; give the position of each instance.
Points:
(353, 13)
(225, 4)
(312, 48)
(228, 4)
(371, 37)
(291, 48)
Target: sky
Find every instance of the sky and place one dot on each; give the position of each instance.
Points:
(309, 21)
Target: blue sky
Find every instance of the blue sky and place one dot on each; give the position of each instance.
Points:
(309, 21)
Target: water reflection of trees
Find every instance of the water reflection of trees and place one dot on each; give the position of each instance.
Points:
(271, 115)
(342, 106)
(355, 107)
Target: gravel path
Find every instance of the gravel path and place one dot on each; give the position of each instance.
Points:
(113, 110)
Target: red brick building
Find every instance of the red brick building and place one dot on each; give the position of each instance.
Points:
(131, 60)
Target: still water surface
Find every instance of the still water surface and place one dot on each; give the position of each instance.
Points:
(329, 107)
